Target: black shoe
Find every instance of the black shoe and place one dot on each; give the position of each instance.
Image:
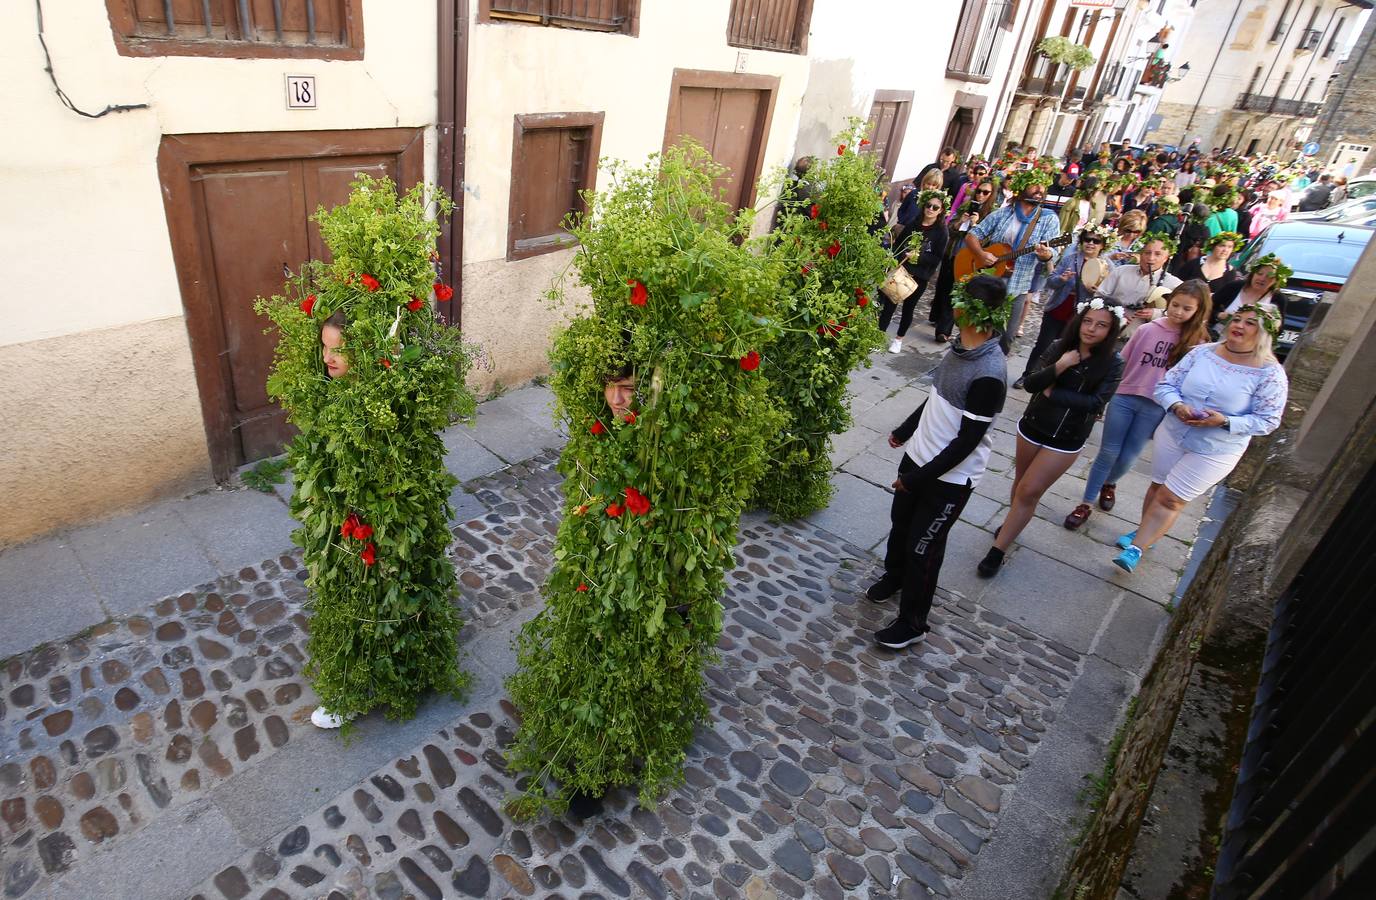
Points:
(1018, 385)
(989, 566)
(883, 589)
(899, 635)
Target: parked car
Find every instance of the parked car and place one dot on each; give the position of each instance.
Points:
(1322, 255)
(1364, 186)
(1349, 211)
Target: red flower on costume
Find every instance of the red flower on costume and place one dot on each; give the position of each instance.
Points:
(582, 588)
(840, 149)
(833, 249)
(637, 502)
(369, 555)
(750, 361)
(861, 298)
(614, 509)
(639, 293)
(597, 427)
(363, 532)
(369, 281)
(630, 418)
(443, 291)
(308, 304)
(812, 213)
(350, 524)
(414, 304)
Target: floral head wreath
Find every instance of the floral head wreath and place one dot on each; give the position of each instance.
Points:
(923, 197)
(976, 159)
(1167, 206)
(975, 312)
(1224, 237)
(1100, 303)
(1022, 179)
(1166, 240)
(1222, 197)
(1104, 233)
(1283, 272)
(1267, 315)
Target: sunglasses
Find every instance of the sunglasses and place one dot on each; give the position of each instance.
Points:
(936, 206)
(1092, 240)
(983, 192)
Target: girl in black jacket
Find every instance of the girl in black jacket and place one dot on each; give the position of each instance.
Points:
(1070, 387)
(922, 265)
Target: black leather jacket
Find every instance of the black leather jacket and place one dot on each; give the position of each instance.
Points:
(1078, 394)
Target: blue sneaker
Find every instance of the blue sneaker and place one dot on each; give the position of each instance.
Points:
(1127, 560)
(1125, 541)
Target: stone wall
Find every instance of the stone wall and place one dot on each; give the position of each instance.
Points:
(1349, 110)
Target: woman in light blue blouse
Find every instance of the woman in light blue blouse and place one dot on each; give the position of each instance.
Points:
(1218, 396)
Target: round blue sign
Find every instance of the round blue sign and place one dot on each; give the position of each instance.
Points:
(1310, 148)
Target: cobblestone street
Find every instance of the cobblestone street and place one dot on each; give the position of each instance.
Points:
(168, 753)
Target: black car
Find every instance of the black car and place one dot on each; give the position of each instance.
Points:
(1322, 255)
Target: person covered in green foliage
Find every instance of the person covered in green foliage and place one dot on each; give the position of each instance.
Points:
(657, 473)
(369, 375)
(946, 445)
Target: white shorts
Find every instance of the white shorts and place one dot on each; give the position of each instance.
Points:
(1186, 475)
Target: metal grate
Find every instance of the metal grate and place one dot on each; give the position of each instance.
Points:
(286, 22)
(1300, 824)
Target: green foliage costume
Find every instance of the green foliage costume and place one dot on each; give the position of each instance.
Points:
(832, 263)
(371, 489)
(610, 677)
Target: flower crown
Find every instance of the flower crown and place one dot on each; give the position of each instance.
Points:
(1103, 232)
(1166, 240)
(1283, 272)
(1267, 315)
(930, 194)
(977, 314)
(1022, 179)
(1224, 237)
(1167, 206)
(1098, 303)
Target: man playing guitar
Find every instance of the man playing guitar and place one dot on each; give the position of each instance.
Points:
(1020, 224)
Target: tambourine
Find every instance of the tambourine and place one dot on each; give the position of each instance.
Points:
(1093, 272)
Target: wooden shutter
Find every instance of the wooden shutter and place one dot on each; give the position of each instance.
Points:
(967, 36)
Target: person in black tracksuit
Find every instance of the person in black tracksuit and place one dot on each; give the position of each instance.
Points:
(1070, 387)
(946, 443)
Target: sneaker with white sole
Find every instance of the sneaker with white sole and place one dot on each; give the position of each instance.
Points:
(896, 346)
(1125, 540)
(1128, 559)
(323, 718)
(899, 635)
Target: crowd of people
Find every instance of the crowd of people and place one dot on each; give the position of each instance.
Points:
(1147, 324)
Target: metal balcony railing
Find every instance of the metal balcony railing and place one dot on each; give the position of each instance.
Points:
(1277, 105)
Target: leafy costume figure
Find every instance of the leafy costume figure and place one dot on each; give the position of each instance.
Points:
(833, 264)
(371, 490)
(609, 682)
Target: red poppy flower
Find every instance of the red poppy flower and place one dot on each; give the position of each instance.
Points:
(639, 293)
(822, 225)
(308, 304)
(630, 418)
(582, 588)
(369, 281)
(840, 149)
(414, 304)
(351, 523)
(443, 292)
(812, 213)
(637, 502)
(369, 555)
(863, 301)
(363, 532)
(385, 363)
(613, 509)
(597, 427)
(807, 267)
(864, 142)
(833, 249)
(750, 361)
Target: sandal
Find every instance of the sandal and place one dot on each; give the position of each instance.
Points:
(1107, 497)
(1078, 516)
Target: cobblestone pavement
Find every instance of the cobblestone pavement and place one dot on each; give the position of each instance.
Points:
(828, 767)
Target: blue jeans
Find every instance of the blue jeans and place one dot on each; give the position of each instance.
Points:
(1128, 425)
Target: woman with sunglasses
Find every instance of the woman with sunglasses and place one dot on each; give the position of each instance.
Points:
(978, 170)
(983, 200)
(922, 265)
(1131, 226)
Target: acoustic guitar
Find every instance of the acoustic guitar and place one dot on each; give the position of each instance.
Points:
(965, 263)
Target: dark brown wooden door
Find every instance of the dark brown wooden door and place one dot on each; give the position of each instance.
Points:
(238, 225)
(730, 119)
(888, 122)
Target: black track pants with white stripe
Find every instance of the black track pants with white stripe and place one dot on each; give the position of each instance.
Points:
(917, 541)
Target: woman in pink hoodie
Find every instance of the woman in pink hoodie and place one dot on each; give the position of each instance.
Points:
(1264, 215)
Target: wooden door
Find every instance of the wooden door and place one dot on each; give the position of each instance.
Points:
(729, 114)
(239, 215)
(887, 124)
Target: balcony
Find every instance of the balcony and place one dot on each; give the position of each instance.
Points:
(1277, 105)
(1049, 86)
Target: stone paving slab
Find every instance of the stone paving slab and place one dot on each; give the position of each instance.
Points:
(45, 593)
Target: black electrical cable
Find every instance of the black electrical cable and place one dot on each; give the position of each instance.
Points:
(61, 95)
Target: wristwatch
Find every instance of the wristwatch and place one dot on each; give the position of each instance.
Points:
(1227, 424)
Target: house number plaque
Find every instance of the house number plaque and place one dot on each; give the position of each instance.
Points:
(300, 92)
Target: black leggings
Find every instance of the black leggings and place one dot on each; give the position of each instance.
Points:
(942, 316)
(917, 541)
(906, 320)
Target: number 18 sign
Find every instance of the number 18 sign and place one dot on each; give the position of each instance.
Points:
(300, 92)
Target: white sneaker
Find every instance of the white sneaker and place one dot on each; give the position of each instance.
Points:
(896, 345)
(323, 718)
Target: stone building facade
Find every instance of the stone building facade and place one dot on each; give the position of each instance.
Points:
(1346, 127)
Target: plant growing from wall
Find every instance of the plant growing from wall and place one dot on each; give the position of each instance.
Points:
(833, 265)
(371, 490)
(1066, 52)
(610, 673)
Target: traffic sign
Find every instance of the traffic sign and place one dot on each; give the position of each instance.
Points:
(1310, 148)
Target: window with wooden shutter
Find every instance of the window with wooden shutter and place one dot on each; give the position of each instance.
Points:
(779, 25)
(553, 160)
(616, 16)
(317, 29)
(978, 37)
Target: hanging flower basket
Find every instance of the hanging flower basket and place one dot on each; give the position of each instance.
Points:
(1066, 52)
